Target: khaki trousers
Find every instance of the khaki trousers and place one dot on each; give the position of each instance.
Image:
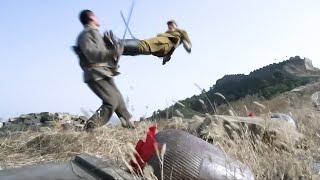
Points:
(112, 101)
(157, 46)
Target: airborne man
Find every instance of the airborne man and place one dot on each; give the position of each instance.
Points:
(163, 45)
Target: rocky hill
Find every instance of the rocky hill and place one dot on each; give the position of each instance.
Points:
(265, 82)
(295, 66)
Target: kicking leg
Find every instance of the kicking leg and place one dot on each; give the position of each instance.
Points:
(134, 47)
(157, 46)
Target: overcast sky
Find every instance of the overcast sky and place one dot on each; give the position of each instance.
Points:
(39, 72)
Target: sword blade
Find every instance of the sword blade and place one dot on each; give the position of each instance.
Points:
(128, 19)
(127, 26)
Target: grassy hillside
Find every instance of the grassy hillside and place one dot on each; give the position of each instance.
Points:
(266, 82)
(266, 154)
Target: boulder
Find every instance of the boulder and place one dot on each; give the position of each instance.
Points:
(46, 116)
(283, 117)
(316, 167)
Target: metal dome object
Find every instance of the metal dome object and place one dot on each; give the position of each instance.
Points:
(188, 157)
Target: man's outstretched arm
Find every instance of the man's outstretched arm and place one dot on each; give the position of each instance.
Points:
(185, 40)
(185, 36)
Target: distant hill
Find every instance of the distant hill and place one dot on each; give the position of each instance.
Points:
(265, 82)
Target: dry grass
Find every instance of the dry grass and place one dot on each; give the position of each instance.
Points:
(267, 160)
(36, 147)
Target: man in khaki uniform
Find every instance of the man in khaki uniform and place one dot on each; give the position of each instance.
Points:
(100, 64)
(163, 45)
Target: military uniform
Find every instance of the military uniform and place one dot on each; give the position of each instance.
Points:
(100, 65)
(165, 43)
(162, 45)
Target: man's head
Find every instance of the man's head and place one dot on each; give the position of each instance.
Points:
(87, 17)
(172, 25)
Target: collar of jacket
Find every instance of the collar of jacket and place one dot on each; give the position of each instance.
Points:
(87, 27)
(176, 30)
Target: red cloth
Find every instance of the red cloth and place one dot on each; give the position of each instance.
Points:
(146, 149)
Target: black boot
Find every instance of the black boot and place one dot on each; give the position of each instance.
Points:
(165, 59)
(131, 47)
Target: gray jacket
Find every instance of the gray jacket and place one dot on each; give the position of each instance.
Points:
(96, 60)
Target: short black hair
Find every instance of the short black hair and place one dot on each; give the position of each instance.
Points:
(171, 22)
(84, 16)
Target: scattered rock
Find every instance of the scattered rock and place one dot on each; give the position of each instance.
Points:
(43, 122)
(278, 132)
(307, 89)
(44, 129)
(316, 168)
(79, 127)
(316, 99)
(283, 117)
(66, 126)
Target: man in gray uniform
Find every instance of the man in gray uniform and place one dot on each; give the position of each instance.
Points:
(100, 64)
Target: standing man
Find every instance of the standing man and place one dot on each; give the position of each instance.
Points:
(100, 64)
(163, 45)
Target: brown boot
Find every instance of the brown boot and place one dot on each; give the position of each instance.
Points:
(90, 126)
(98, 119)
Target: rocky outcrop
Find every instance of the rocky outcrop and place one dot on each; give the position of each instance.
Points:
(42, 121)
(270, 130)
(310, 89)
(294, 66)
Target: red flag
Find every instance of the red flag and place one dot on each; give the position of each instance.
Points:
(146, 149)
